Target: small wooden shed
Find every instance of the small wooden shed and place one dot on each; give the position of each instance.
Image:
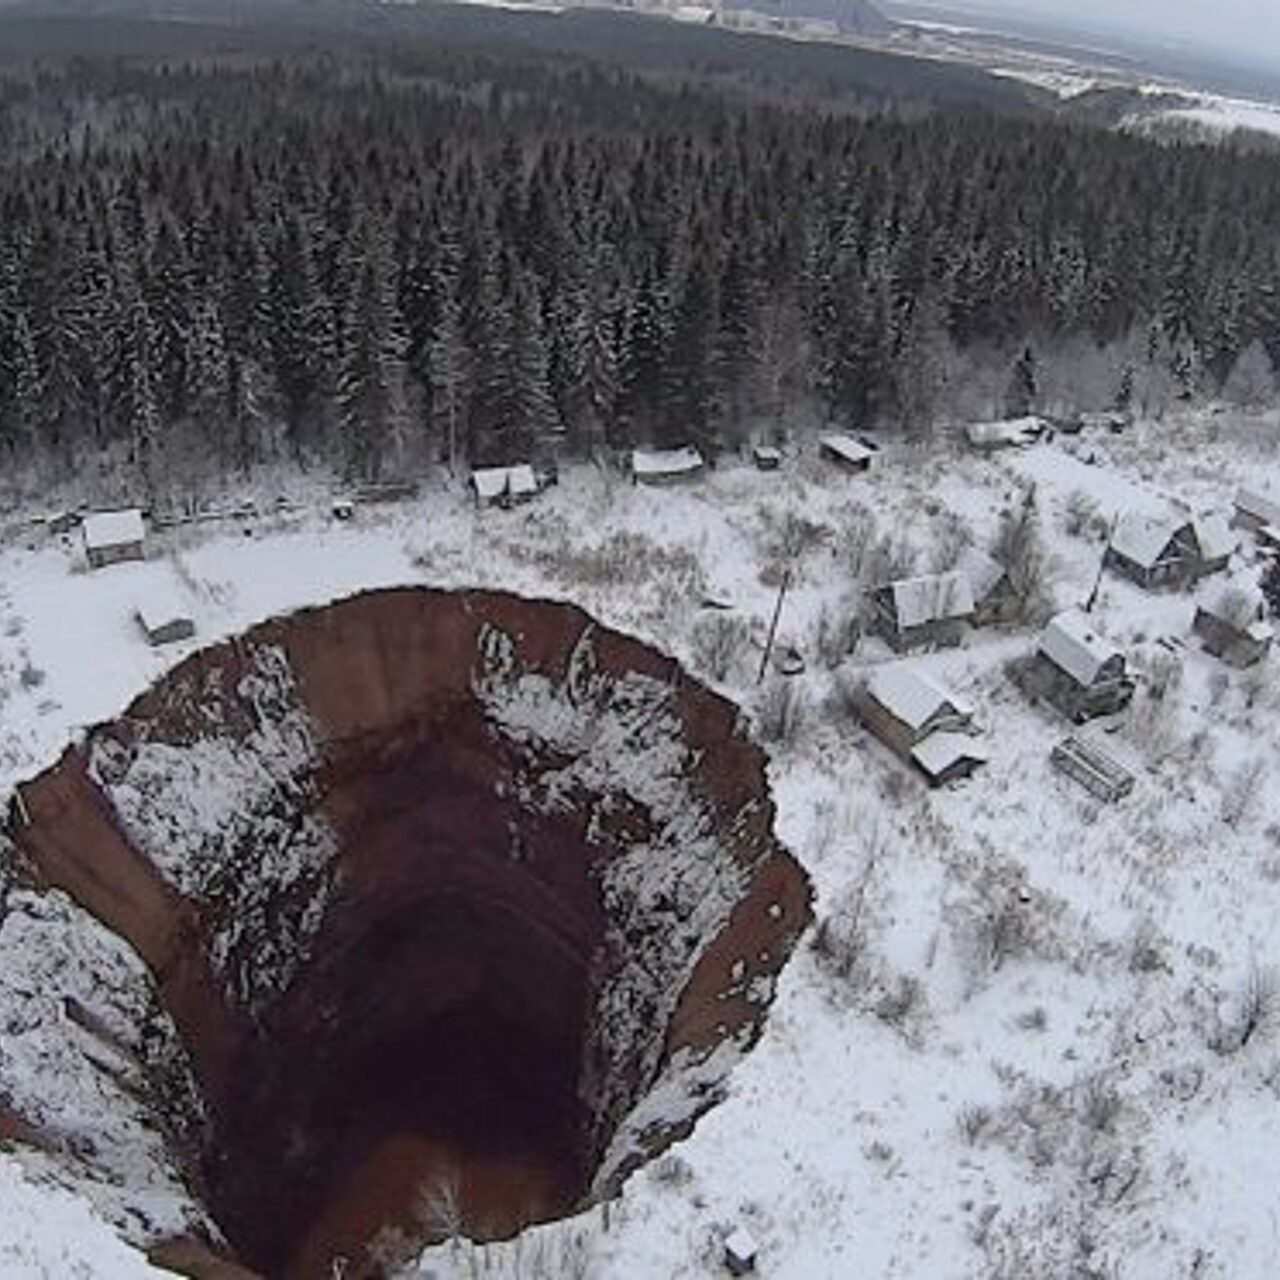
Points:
(846, 451)
(164, 620)
(767, 457)
(740, 1253)
(1078, 671)
(995, 602)
(1234, 627)
(114, 536)
(1010, 433)
(666, 466)
(925, 611)
(504, 486)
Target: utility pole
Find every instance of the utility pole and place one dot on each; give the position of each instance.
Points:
(1102, 564)
(773, 626)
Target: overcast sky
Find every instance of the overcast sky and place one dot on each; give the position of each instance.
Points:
(1247, 28)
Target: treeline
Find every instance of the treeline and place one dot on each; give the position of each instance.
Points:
(378, 261)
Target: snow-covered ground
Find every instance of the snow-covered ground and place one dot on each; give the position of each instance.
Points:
(1226, 115)
(1018, 1053)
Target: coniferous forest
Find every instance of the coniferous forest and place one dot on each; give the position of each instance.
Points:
(375, 253)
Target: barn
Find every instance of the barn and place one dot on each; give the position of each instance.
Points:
(114, 536)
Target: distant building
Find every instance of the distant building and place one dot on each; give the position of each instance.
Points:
(1010, 433)
(921, 722)
(113, 536)
(766, 457)
(916, 612)
(1234, 627)
(1169, 552)
(1113, 420)
(503, 486)
(846, 451)
(1256, 509)
(666, 466)
(1078, 671)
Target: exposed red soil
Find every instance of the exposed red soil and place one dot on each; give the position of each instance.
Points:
(443, 1022)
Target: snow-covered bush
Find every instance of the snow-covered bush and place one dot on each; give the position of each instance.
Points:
(718, 643)
(780, 712)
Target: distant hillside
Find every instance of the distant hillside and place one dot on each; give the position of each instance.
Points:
(859, 16)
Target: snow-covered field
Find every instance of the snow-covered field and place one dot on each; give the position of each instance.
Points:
(1019, 1052)
(1226, 115)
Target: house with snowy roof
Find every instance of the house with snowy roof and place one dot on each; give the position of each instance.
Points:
(1169, 551)
(114, 536)
(846, 451)
(925, 611)
(921, 722)
(1233, 626)
(503, 486)
(1078, 670)
(666, 466)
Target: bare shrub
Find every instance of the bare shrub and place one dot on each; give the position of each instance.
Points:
(1099, 1105)
(854, 540)
(1019, 550)
(844, 701)
(1145, 953)
(718, 642)
(780, 712)
(836, 635)
(973, 1121)
(1081, 518)
(671, 1171)
(1036, 1019)
(1240, 794)
(30, 677)
(953, 538)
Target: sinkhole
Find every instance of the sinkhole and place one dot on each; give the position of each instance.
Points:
(423, 913)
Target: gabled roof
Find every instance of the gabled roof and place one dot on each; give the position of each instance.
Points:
(942, 751)
(666, 462)
(1012, 431)
(934, 598)
(1071, 643)
(1143, 538)
(1259, 503)
(161, 606)
(113, 529)
(1214, 536)
(911, 696)
(983, 571)
(493, 482)
(846, 447)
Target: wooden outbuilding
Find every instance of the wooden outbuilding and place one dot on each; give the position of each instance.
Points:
(1255, 509)
(504, 486)
(666, 466)
(767, 457)
(846, 451)
(111, 537)
(740, 1253)
(1078, 671)
(164, 621)
(1011, 433)
(1234, 627)
(926, 611)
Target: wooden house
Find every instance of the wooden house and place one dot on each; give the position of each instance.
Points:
(164, 622)
(1078, 671)
(995, 603)
(920, 722)
(1255, 509)
(1012, 433)
(1169, 552)
(666, 466)
(114, 536)
(1090, 766)
(503, 486)
(1234, 627)
(930, 610)
(846, 451)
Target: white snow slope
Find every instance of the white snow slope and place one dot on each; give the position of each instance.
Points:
(1042, 1038)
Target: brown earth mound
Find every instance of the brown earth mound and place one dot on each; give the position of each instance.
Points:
(459, 903)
